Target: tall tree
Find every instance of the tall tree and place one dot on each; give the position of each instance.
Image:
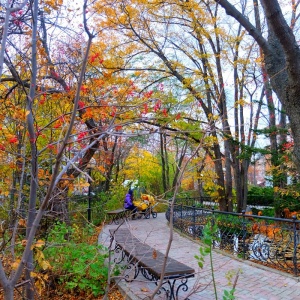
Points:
(281, 55)
(190, 46)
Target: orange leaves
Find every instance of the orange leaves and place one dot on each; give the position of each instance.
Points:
(84, 89)
(88, 114)
(268, 230)
(57, 124)
(22, 223)
(146, 110)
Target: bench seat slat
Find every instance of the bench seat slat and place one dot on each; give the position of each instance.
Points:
(143, 254)
(150, 262)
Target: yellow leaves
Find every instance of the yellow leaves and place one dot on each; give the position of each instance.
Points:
(43, 263)
(38, 244)
(241, 102)
(213, 117)
(40, 281)
(54, 4)
(15, 264)
(187, 82)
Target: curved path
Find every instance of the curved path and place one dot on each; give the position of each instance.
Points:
(254, 281)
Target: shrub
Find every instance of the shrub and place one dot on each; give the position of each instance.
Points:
(293, 204)
(261, 196)
(78, 265)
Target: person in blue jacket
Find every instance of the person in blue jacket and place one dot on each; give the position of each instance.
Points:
(128, 202)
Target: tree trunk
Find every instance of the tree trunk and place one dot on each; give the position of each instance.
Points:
(282, 60)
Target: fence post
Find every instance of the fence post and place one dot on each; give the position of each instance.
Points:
(194, 221)
(244, 233)
(181, 217)
(295, 245)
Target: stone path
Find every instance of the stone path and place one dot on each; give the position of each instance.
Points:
(254, 281)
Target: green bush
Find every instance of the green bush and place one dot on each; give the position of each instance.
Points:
(261, 196)
(78, 265)
(293, 204)
(267, 212)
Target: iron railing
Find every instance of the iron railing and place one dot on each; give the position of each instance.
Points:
(273, 242)
(202, 201)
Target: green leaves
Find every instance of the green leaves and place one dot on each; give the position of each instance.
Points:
(209, 235)
(229, 295)
(78, 264)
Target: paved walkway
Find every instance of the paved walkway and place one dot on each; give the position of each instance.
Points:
(254, 282)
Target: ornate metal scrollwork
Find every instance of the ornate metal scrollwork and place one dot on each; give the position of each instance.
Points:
(136, 269)
(119, 258)
(172, 290)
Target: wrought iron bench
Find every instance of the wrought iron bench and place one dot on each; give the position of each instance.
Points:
(141, 258)
(117, 215)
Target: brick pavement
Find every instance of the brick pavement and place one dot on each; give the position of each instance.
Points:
(254, 282)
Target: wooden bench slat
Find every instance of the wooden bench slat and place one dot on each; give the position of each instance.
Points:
(143, 254)
(116, 211)
(118, 214)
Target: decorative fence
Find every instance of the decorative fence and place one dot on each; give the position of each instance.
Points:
(273, 242)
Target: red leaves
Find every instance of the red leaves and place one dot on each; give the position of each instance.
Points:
(96, 56)
(50, 146)
(2, 148)
(84, 89)
(145, 109)
(81, 135)
(287, 145)
(54, 74)
(13, 140)
(157, 105)
(43, 99)
(165, 113)
(148, 94)
(81, 104)
(114, 111)
(57, 124)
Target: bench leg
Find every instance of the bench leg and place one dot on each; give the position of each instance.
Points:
(132, 266)
(172, 287)
(121, 256)
(117, 218)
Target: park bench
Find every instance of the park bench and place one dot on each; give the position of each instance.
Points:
(145, 260)
(117, 215)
